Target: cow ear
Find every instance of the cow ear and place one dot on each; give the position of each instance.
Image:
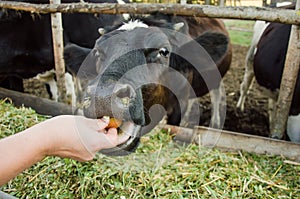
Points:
(75, 57)
(199, 52)
(215, 44)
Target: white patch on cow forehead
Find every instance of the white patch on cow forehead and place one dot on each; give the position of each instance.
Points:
(293, 128)
(132, 25)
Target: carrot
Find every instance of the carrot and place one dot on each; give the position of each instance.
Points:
(114, 123)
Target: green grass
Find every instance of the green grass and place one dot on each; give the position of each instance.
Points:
(240, 31)
(159, 169)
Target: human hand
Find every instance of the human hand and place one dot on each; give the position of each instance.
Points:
(69, 136)
(78, 137)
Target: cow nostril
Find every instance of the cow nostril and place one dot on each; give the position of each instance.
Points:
(124, 94)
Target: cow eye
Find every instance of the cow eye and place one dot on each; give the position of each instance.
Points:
(164, 52)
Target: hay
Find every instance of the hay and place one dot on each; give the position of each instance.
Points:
(160, 168)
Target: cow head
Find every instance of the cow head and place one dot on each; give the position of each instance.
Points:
(125, 71)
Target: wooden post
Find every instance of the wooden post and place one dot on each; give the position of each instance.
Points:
(58, 48)
(222, 2)
(288, 82)
(264, 3)
(207, 2)
(182, 2)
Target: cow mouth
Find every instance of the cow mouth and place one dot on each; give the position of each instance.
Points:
(127, 129)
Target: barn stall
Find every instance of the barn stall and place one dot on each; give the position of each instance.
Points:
(213, 178)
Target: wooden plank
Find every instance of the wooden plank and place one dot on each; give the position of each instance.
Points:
(40, 105)
(4, 195)
(228, 140)
(225, 12)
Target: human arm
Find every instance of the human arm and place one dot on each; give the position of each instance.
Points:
(74, 137)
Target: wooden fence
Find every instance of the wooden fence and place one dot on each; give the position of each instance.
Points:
(240, 12)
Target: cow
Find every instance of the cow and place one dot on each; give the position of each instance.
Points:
(258, 29)
(268, 68)
(26, 40)
(265, 61)
(152, 65)
(248, 79)
(49, 79)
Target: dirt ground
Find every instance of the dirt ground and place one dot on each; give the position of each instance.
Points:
(253, 120)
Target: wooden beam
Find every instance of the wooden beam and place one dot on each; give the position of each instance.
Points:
(4, 195)
(40, 105)
(226, 12)
(228, 140)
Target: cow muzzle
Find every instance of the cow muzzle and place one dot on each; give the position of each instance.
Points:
(116, 101)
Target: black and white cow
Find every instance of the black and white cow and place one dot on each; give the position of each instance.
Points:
(258, 29)
(26, 40)
(155, 59)
(267, 67)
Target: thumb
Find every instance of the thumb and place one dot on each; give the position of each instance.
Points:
(103, 123)
(112, 138)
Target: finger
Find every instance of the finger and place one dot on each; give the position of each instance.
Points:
(105, 119)
(102, 123)
(112, 132)
(112, 136)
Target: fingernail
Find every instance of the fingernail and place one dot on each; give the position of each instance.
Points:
(105, 119)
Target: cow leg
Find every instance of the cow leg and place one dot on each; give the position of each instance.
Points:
(192, 114)
(218, 106)
(70, 88)
(53, 89)
(293, 128)
(271, 109)
(248, 78)
(174, 113)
